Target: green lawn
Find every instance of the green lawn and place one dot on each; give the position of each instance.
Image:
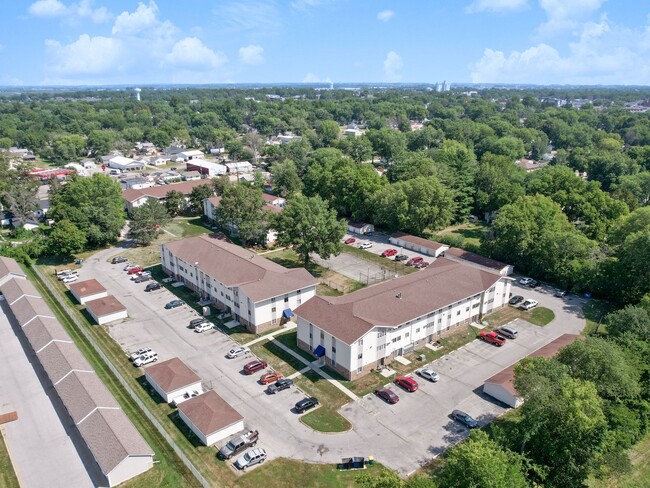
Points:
(595, 312)
(640, 473)
(540, 316)
(325, 418)
(395, 267)
(278, 358)
(467, 236)
(8, 477)
(183, 227)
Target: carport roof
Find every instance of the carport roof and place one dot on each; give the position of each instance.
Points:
(60, 358)
(112, 438)
(15, 288)
(171, 375)
(209, 412)
(233, 265)
(82, 393)
(28, 307)
(434, 246)
(43, 330)
(87, 288)
(392, 303)
(10, 266)
(476, 258)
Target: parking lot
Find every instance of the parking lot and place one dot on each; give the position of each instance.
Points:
(379, 429)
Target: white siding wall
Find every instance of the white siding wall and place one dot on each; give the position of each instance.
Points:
(111, 317)
(500, 393)
(176, 393)
(129, 468)
(91, 297)
(225, 433)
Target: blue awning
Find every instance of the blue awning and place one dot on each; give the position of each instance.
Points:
(319, 351)
(287, 314)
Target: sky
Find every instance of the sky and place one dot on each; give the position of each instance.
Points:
(106, 42)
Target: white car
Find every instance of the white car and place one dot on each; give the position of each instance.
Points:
(202, 327)
(130, 266)
(252, 457)
(525, 281)
(528, 304)
(139, 352)
(365, 245)
(237, 351)
(70, 278)
(428, 374)
(149, 357)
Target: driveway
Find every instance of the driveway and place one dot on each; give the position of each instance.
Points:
(378, 429)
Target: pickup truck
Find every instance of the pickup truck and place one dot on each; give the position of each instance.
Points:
(492, 338)
(238, 444)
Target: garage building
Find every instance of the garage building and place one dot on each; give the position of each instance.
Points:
(9, 268)
(172, 379)
(501, 386)
(457, 254)
(87, 290)
(418, 244)
(106, 309)
(360, 228)
(210, 417)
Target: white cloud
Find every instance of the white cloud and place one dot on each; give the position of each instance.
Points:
(84, 10)
(86, 55)
(602, 53)
(564, 14)
(97, 15)
(192, 53)
(496, 5)
(144, 17)
(385, 15)
(252, 54)
(47, 8)
(258, 16)
(313, 78)
(305, 4)
(392, 66)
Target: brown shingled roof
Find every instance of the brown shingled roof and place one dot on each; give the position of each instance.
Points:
(475, 258)
(28, 307)
(160, 191)
(60, 358)
(87, 288)
(397, 301)
(233, 265)
(434, 246)
(83, 392)
(10, 266)
(101, 307)
(209, 412)
(111, 437)
(43, 330)
(15, 288)
(171, 375)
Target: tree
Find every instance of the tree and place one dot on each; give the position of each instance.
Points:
(175, 202)
(632, 321)
(386, 479)
(309, 225)
(286, 181)
(95, 205)
(358, 148)
(241, 209)
(254, 142)
(197, 196)
(388, 144)
(66, 239)
(481, 462)
(68, 148)
(100, 141)
(328, 131)
(21, 198)
(147, 221)
(629, 273)
(459, 171)
(498, 182)
(220, 183)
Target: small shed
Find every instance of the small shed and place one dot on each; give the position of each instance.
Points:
(191, 176)
(87, 290)
(210, 417)
(172, 379)
(106, 309)
(360, 228)
(418, 244)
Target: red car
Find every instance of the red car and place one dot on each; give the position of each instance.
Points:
(387, 394)
(270, 377)
(254, 366)
(350, 240)
(409, 384)
(421, 265)
(414, 261)
(492, 338)
(388, 253)
(135, 270)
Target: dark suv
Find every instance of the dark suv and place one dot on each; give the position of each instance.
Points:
(306, 404)
(281, 384)
(119, 259)
(152, 287)
(401, 257)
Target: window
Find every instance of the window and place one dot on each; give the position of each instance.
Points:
(417, 330)
(274, 321)
(458, 313)
(360, 356)
(273, 309)
(286, 299)
(490, 300)
(467, 309)
(273, 300)
(359, 370)
(440, 320)
(476, 305)
(407, 334)
(299, 301)
(322, 335)
(333, 348)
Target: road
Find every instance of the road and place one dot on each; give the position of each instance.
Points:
(378, 429)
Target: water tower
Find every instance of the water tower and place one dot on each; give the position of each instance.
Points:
(137, 93)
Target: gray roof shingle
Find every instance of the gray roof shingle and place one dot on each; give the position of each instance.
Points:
(83, 392)
(43, 330)
(60, 358)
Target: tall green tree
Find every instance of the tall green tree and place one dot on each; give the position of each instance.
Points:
(20, 196)
(65, 239)
(309, 225)
(459, 172)
(197, 196)
(329, 132)
(175, 202)
(241, 209)
(286, 180)
(147, 221)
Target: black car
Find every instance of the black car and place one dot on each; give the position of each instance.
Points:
(152, 287)
(281, 384)
(401, 257)
(533, 284)
(119, 259)
(464, 419)
(560, 293)
(516, 300)
(142, 279)
(195, 322)
(305, 404)
(174, 304)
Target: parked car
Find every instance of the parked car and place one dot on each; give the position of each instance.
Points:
(62, 272)
(401, 257)
(139, 352)
(152, 287)
(202, 327)
(237, 351)
(508, 332)
(387, 395)
(528, 304)
(516, 300)
(174, 304)
(421, 265)
(560, 293)
(251, 458)
(409, 384)
(464, 419)
(525, 281)
(492, 338)
(119, 259)
(238, 444)
(306, 404)
(270, 377)
(135, 270)
(414, 261)
(146, 358)
(142, 279)
(70, 278)
(428, 374)
(67, 274)
(281, 384)
(533, 284)
(130, 266)
(365, 245)
(350, 240)
(254, 366)
(388, 253)
(141, 274)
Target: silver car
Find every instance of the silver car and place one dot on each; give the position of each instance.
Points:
(251, 458)
(428, 374)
